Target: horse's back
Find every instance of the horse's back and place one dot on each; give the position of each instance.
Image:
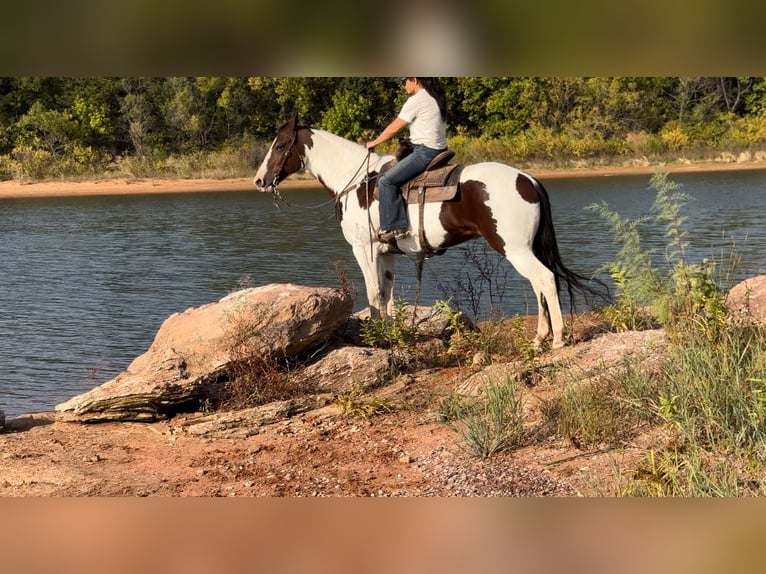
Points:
(496, 179)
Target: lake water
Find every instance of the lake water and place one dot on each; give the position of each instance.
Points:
(85, 282)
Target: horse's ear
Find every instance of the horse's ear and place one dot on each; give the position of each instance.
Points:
(293, 121)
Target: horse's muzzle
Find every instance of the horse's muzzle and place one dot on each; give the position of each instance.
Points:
(260, 185)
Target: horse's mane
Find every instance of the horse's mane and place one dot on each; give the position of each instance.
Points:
(347, 145)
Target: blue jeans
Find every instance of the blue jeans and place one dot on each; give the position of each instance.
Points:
(393, 211)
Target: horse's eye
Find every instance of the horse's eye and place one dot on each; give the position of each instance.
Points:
(280, 147)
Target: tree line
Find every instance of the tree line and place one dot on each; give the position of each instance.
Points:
(55, 127)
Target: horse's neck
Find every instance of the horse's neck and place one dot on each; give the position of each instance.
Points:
(339, 163)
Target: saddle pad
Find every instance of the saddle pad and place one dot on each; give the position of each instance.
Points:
(433, 194)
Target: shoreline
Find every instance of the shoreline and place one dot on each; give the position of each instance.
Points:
(122, 186)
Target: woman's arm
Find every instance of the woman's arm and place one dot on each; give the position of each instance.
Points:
(390, 131)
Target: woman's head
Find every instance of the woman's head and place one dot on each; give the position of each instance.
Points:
(433, 87)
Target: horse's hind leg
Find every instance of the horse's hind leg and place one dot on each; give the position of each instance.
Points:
(544, 284)
(543, 318)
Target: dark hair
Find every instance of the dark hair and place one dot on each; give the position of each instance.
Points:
(433, 87)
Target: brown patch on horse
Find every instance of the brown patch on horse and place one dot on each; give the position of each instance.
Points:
(365, 191)
(526, 188)
(468, 216)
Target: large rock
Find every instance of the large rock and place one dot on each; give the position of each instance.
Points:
(194, 348)
(748, 299)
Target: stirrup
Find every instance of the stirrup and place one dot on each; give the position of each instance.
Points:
(388, 236)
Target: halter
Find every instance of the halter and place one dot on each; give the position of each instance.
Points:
(278, 199)
(285, 157)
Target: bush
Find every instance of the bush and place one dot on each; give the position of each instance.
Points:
(489, 424)
(607, 410)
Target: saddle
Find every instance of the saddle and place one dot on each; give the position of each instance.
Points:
(438, 182)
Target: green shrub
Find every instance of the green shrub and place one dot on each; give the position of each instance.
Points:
(607, 410)
(685, 474)
(398, 332)
(491, 423)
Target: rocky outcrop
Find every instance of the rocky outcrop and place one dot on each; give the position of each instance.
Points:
(243, 423)
(193, 353)
(195, 348)
(748, 299)
(584, 360)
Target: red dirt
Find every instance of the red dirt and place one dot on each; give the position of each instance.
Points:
(405, 452)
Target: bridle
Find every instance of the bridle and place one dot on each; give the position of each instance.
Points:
(278, 199)
(283, 161)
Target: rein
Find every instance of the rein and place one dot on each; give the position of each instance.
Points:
(279, 200)
(348, 187)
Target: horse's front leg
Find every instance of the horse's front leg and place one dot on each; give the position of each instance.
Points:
(386, 282)
(367, 259)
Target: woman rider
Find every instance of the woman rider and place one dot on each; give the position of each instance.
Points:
(425, 112)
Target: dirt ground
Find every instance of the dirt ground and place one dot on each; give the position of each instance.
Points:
(397, 454)
(324, 452)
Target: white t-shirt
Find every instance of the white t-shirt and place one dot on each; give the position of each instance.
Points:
(421, 112)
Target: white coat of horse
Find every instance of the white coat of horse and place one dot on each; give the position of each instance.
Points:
(507, 207)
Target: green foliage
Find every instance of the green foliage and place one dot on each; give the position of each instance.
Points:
(83, 125)
(464, 342)
(715, 387)
(709, 392)
(684, 474)
(606, 410)
(646, 296)
(488, 424)
(636, 280)
(398, 332)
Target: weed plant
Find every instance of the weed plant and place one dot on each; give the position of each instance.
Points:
(488, 424)
(354, 403)
(258, 372)
(398, 332)
(603, 412)
(709, 390)
(479, 287)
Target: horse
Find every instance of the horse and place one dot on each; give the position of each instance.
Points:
(509, 208)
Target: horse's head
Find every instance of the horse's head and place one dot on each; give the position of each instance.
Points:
(285, 157)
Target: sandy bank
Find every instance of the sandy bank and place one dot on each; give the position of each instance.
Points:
(11, 189)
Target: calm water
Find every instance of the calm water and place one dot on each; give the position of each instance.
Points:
(86, 282)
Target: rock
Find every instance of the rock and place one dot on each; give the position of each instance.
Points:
(475, 384)
(247, 422)
(748, 299)
(349, 368)
(587, 359)
(193, 349)
(2, 419)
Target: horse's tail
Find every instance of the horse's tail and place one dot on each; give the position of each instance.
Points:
(546, 249)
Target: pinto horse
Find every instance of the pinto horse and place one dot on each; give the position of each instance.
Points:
(507, 207)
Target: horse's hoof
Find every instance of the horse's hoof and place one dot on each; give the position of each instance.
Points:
(557, 344)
